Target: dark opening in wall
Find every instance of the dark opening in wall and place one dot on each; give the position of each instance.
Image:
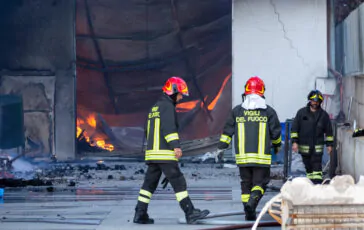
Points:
(126, 50)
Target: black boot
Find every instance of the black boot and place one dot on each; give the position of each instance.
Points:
(141, 216)
(192, 214)
(252, 204)
(249, 214)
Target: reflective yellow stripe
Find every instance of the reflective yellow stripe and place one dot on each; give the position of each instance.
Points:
(160, 155)
(245, 197)
(316, 175)
(148, 129)
(309, 175)
(241, 138)
(143, 199)
(225, 138)
(317, 95)
(261, 138)
(294, 135)
(277, 141)
(172, 137)
(329, 138)
(181, 195)
(258, 188)
(303, 148)
(253, 160)
(156, 134)
(319, 148)
(145, 193)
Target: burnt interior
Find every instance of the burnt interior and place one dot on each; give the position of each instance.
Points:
(126, 50)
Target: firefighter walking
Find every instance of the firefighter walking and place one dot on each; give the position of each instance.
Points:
(162, 154)
(256, 127)
(311, 130)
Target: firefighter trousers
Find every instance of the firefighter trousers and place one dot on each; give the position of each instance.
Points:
(151, 181)
(254, 180)
(313, 166)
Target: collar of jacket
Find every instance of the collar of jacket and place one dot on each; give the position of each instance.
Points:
(309, 109)
(165, 97)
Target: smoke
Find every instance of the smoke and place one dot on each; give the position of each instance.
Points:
(21, 165)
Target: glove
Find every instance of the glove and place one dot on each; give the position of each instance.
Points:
(164, 182)
(277, 149)
(219, 155)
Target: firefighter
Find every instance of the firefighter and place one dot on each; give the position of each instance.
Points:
(162, 154)
(309, 128)
(256, 128)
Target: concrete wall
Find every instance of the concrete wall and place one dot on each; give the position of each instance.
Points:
(38, 36)
(350, 40)
(283, 42)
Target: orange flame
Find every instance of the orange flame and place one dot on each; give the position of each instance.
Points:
(90, 125)
(187, 106)
(212, 105)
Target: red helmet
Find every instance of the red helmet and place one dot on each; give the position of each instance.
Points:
(255, 85)
(175, 85)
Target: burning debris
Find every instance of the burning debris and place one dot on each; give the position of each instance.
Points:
(93, 134)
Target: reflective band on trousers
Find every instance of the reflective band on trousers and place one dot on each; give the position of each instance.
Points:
(258, 188)
(171, 137)
(225, 138)
(315, 175)
(145, 193)
(329, 138)
(245, 197)
(181, 195)
(143, 199)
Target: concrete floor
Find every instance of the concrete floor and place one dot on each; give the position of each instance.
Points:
(109, 205)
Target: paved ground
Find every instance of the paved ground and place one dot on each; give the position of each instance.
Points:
(103, 204)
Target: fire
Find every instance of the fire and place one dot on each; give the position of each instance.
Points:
(87, 126)
(211, 106)
(186, 106)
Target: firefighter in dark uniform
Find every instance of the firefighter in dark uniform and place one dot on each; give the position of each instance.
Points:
(311, 130)
(162, 154)
(256, 128)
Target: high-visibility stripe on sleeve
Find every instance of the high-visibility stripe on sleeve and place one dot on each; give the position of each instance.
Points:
(181, 195)
(171, 137)
(225, 138)
(329, 138)
(148, 129)
(294, 135)
(277, 141)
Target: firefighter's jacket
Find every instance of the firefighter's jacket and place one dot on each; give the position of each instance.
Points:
(162, 132)
(309, 130)
(254, 132)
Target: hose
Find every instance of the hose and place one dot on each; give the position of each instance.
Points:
(265, 209)
(244, 226)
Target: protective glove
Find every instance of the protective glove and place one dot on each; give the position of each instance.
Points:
(219, 155)
(164, 182)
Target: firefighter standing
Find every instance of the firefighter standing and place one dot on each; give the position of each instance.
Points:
(255, 126)
(308, 131)
(162, 154)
